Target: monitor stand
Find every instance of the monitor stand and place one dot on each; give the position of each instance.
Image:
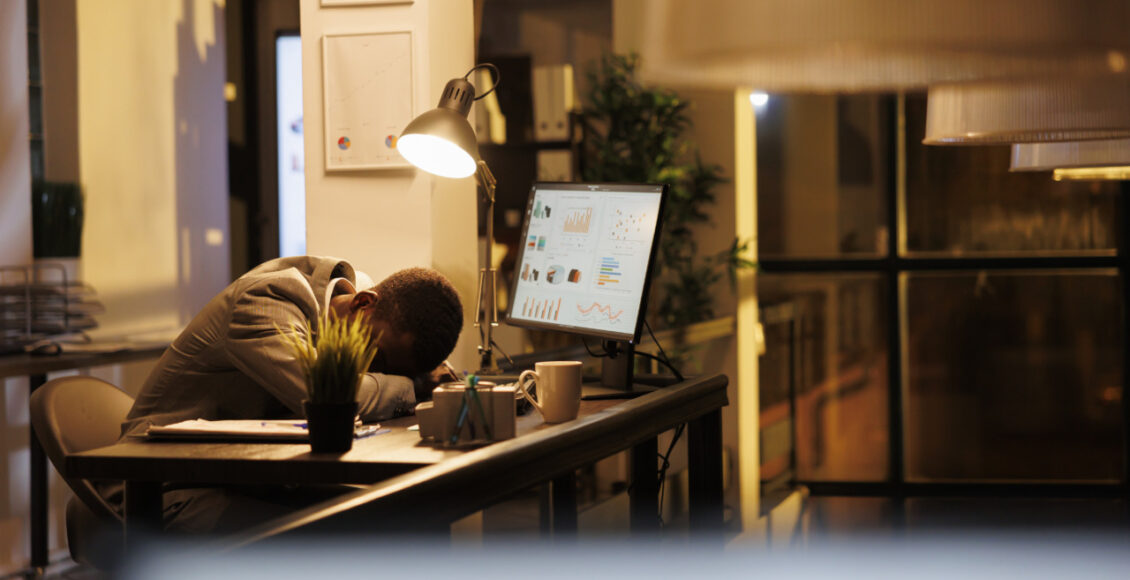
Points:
(616, 374)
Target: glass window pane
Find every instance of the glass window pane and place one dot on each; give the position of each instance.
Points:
(964, 201)
(823, 170)
(831, 519)
(1013, 376)
(829, 355)
(1002, 514)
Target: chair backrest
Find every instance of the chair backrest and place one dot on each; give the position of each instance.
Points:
(73, 414)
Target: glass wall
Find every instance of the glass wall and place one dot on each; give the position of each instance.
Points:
(824, 375)
(1001, 302)
(822, 174)
(1013, 375)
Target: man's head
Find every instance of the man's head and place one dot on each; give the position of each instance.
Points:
(418, 316)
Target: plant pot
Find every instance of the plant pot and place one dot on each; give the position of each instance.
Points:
(330, 426)
(56, 217)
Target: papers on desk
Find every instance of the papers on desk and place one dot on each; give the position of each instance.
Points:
(94, 347)
(236, 429)
(246, 430)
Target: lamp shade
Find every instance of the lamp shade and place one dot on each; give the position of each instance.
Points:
(877, 45)
(1073, 155)
(441, 141)
(1028, 112)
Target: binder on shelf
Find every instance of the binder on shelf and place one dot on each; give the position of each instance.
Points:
(555, 165)
(554, 99)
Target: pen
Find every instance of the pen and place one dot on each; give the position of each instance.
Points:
(282, 424)
(451, 370)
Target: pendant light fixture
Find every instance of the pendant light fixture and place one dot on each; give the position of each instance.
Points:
(878, 45)
(1069, 109)
(1090, 160)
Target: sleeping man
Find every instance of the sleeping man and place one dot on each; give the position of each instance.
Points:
(231, 363)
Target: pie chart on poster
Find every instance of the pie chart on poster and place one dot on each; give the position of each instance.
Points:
(343, 143)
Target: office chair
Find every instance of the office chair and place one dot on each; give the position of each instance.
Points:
(70, 415)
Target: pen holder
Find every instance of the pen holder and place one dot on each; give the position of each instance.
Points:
(491, 419)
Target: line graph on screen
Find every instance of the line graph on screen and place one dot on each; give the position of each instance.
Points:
(600, 312)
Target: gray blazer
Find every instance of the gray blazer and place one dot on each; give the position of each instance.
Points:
(230, 363)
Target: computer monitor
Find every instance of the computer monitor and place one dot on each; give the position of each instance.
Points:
(585, 264)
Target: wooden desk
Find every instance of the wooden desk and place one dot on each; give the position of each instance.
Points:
(450, 483)
(35, 368)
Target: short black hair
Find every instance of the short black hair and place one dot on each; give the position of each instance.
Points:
(423, 303)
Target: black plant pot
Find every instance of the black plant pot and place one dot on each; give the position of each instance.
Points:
(330, 425)
(56, 218)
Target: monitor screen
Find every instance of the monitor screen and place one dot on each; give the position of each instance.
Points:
(586, 257)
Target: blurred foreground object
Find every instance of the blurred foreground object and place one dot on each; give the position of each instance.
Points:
(878, 45)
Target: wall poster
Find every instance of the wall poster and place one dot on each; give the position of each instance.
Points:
(368, 98)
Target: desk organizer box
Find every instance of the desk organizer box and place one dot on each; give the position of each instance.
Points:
(440, 416)
(43, 301)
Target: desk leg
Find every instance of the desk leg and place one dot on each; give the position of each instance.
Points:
(644, 491)
(143, 511)
(565, 507)
(704, 457)
(39, 492)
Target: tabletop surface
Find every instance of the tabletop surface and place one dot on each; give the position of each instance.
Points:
(15, 365)
(371, 459)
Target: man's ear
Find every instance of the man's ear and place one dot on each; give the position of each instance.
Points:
(362, 299)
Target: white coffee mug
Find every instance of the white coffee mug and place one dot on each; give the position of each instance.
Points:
(558, 389)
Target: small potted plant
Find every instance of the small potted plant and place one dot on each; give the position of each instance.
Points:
(333, 357)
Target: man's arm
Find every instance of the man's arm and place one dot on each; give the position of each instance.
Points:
(382, 396)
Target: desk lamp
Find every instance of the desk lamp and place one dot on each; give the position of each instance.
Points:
(442, 142)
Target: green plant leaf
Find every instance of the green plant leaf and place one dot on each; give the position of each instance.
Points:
(333, 355)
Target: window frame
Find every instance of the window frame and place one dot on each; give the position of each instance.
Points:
(891, 268)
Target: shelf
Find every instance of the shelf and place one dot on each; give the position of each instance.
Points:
(535, 145)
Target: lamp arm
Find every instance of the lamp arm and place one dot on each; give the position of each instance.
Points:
(486, 180)
(486, 307)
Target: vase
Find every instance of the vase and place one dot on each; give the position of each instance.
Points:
(330, 426)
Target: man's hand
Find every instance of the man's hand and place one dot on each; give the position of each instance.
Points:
(427, 382)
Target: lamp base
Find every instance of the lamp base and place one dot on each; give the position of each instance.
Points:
(487, 365)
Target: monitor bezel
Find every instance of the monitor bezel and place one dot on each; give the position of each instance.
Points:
(662, 189)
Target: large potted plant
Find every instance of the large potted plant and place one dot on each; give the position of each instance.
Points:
(332, 356)
(636, 133)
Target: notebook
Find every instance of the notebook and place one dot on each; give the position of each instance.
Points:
(245, 430)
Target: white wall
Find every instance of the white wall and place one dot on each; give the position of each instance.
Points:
(153, 145)
(386, 220)
(153, 156)
(15, 248)
(15, 159)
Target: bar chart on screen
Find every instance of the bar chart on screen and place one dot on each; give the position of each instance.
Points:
(610, 272)
(542, 308)
(578, 220)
